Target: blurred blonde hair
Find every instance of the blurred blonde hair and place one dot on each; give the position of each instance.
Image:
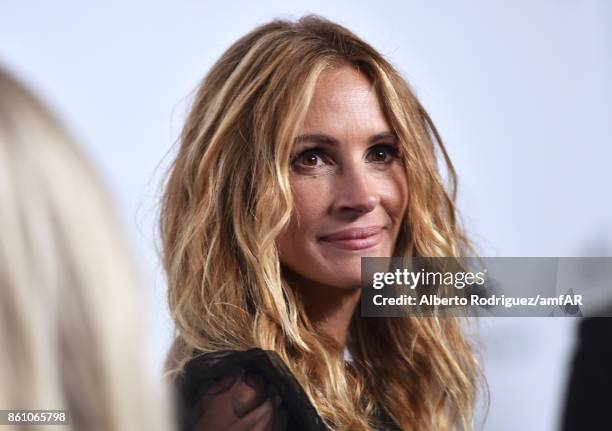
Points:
(228, 197)
(71, 331)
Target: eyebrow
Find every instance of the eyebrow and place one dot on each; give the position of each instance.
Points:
(322, 138)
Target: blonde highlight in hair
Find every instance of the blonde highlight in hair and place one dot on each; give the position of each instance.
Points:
(228, 197)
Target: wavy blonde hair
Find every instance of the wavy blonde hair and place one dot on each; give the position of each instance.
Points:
(228, 197)
(71, 335)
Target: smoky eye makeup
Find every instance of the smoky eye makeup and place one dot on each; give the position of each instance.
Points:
(317, 157)
(383, 153)
(310, 158)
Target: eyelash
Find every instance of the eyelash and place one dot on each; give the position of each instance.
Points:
(391, 149)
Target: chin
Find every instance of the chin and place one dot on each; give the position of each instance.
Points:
(344, 272)
(345, 279)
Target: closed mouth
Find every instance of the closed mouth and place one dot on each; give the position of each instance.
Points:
(355, 238)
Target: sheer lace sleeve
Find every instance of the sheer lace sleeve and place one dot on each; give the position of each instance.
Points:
(243, 390)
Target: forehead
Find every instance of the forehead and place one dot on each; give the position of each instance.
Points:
(345, 99)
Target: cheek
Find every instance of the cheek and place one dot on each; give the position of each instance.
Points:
(393, 192)
(311, 198)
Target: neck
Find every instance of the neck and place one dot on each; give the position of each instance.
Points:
(329, 308)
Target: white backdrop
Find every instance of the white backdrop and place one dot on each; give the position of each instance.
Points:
(521, 92)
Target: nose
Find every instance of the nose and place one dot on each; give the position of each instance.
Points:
(355, 195)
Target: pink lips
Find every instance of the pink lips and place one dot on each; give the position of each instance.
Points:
(355, 238)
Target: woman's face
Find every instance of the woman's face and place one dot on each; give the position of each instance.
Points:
(348, 184)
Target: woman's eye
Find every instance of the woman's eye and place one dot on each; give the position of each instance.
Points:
(308, 159)
(382, 153)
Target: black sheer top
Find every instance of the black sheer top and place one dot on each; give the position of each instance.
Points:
(246, 390)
